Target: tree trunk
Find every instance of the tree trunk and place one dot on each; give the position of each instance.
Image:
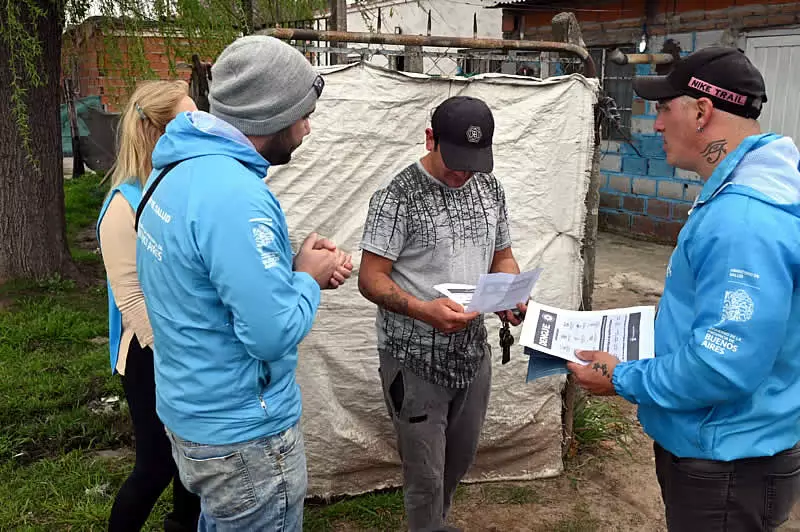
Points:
(33, 241)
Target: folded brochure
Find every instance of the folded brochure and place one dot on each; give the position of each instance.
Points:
(626, 333)
(495, 292)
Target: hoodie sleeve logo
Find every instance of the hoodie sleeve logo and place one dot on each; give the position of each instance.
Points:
(263, 236)
(738, 306)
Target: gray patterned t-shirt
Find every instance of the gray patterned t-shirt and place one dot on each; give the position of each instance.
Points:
(435, 234)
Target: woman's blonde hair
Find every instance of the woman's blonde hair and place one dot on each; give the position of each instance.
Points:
(149, 110)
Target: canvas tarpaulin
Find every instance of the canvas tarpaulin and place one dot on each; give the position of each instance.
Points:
(81, 107)
(97, 132)
(369, 124)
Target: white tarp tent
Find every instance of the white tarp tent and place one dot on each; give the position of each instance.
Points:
(369, 124)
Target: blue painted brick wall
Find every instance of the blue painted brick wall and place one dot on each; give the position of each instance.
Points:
(659, 168)
(644, 195)
(633, 165)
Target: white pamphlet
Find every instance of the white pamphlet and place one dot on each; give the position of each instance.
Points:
(626, 333)
(495, 292)
(460, 293)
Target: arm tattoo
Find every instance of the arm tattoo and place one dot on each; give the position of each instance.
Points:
(602, 368)
(715, 151)
(393, 301)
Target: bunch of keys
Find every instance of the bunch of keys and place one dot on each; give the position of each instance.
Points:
(506, 341)
(506, 338)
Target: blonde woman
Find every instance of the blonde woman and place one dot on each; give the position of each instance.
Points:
(152, 105)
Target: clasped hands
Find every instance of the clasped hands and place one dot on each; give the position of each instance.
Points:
(320, 258)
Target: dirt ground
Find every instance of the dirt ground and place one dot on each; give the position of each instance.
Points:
(603, 489)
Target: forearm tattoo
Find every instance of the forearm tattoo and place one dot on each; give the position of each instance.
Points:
(394, 301)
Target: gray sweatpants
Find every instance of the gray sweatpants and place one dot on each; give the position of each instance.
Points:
(437, 436)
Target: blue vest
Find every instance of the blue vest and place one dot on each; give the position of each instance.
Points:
(133, 194)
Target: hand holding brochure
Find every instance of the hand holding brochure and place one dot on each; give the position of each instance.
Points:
(495, 291)
(460, 293)
(626, 333)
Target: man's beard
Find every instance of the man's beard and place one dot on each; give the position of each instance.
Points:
(279, 149)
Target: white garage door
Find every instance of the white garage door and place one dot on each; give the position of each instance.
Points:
(777, 56)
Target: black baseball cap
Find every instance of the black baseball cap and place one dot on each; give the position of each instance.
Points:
(464, 126)
(724, 75)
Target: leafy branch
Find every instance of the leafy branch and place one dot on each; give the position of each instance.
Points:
(25, 52)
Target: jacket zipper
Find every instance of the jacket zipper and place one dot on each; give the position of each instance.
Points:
(263, 403)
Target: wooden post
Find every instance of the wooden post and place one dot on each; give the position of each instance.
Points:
(415, 62)
(77, 157)
(338, 22)
(566, 29)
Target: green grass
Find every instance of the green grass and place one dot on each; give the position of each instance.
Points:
(74, 491)
(597, 420)
(51, 372)
(509, 494)
(82, 198)
(374, 511)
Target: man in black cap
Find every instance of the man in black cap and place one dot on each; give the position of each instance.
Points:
(441, 220)
(721, 399)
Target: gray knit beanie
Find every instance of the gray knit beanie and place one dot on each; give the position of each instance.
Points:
(261, 85)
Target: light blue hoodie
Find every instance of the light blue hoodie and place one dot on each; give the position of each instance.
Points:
(725, 383)
(215, 265)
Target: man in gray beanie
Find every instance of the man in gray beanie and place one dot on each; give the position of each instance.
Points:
(227, 299)
(266, 88)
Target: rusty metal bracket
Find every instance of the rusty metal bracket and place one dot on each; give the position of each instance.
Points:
(302, 34)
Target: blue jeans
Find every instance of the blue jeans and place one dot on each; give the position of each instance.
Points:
(254, 485)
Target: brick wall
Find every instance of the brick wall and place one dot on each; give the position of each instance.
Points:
(616, 22)
(692, 18)
(99, 70)
(644, 195)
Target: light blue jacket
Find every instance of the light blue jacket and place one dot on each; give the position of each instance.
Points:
(132, 194)
(725, 383)
(227, 310)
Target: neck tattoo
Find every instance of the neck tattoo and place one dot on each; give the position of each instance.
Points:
(715, 151)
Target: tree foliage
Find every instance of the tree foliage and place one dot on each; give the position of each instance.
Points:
(202, 27)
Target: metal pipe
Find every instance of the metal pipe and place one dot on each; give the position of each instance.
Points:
(603, 68)
(621, 58)
(302, 34)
